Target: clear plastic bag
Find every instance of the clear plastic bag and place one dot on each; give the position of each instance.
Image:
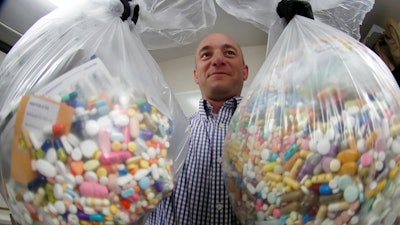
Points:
(316, 139)
(171, 23)
(345, 15)
(90, 130)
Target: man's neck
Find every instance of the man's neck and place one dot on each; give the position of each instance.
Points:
(216, 105)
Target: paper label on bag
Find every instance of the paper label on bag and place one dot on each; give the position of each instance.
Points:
(88, 79)
(40, 111)
(33, 115)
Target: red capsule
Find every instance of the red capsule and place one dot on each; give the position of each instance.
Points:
(58, 129)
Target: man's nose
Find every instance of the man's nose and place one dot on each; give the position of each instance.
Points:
(218, 58)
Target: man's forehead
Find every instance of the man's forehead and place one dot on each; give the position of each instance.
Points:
(212, 46)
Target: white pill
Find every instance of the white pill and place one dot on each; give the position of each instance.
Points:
(73, 140)
(45, 168)
(73, 219)
(59, 205)
(78, 179)
(154, 172)
(51, 155)
(103, 180)
(58, 191)
(35, 139)
(140, 173)
(61, 169)
(70, 179)
(323, 146)
(67, 146)
(92, 128)
(28, 196)
(89, 210)
(121, 120)
(76, 154)
(122, 180)
(72, 208)
(151, 152)
(51, 208)
(90, 176)
(47, 130)
(88, 147)
(104, 122)
(68, 198)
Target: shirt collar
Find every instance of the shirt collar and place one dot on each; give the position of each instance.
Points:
(205, 108)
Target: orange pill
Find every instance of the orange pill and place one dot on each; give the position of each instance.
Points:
(370, 142)
(76, 167)
(348, 155)
(349, 168)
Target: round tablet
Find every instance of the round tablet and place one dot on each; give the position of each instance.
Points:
(350, 193)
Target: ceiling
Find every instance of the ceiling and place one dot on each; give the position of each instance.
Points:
(15, 20)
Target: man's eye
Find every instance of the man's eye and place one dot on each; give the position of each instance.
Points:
(205, 55)
(230, 53)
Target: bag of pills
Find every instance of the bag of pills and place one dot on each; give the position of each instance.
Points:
(316, 139)
(90, 131)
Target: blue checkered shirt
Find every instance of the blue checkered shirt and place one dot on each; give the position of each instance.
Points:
(200, 196)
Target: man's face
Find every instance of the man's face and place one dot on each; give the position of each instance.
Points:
(220, 70)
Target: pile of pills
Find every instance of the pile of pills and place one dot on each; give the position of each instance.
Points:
(329, 157)
(110, 167)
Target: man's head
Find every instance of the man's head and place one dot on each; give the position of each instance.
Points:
(220, 70)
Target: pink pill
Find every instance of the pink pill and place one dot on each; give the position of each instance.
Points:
(92, 189)
(366, 159)
(115, 157)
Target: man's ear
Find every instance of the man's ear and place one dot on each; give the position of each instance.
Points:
(245, 72)
(195, 77)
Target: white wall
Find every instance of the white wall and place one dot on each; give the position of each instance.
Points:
(2, 56)
(179, 75)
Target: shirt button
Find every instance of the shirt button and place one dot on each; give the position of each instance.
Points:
(221, 125)
(219, 160)
(219, 206)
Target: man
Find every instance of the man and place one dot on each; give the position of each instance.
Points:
(200, 196)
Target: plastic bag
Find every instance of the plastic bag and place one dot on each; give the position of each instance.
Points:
(90, 131)
(171, 23)
(345, 15)
(316, 139)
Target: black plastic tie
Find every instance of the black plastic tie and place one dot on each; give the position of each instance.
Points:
(289, 8)
(127, 11)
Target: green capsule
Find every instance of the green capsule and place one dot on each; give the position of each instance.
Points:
(40, 154)
(62, 155)
(50, 193)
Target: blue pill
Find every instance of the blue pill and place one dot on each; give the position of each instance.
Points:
(144, 183)
(324, 189)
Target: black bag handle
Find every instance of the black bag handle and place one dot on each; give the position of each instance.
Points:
(289, 8)
(127, 11)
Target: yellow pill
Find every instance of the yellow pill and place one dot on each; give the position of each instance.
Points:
(131, 166)
(292, 183)
(269, 167)
(393, 172)
(273, 176)
(131, 112)
(91, 165)
(369, 193)
(322, 178)
(144, 164)
(113, 209)
(101, 172)
(164, 152)
(296, 168)
(116, 145)
(134, 159)
(131, 146)
(97, 154)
